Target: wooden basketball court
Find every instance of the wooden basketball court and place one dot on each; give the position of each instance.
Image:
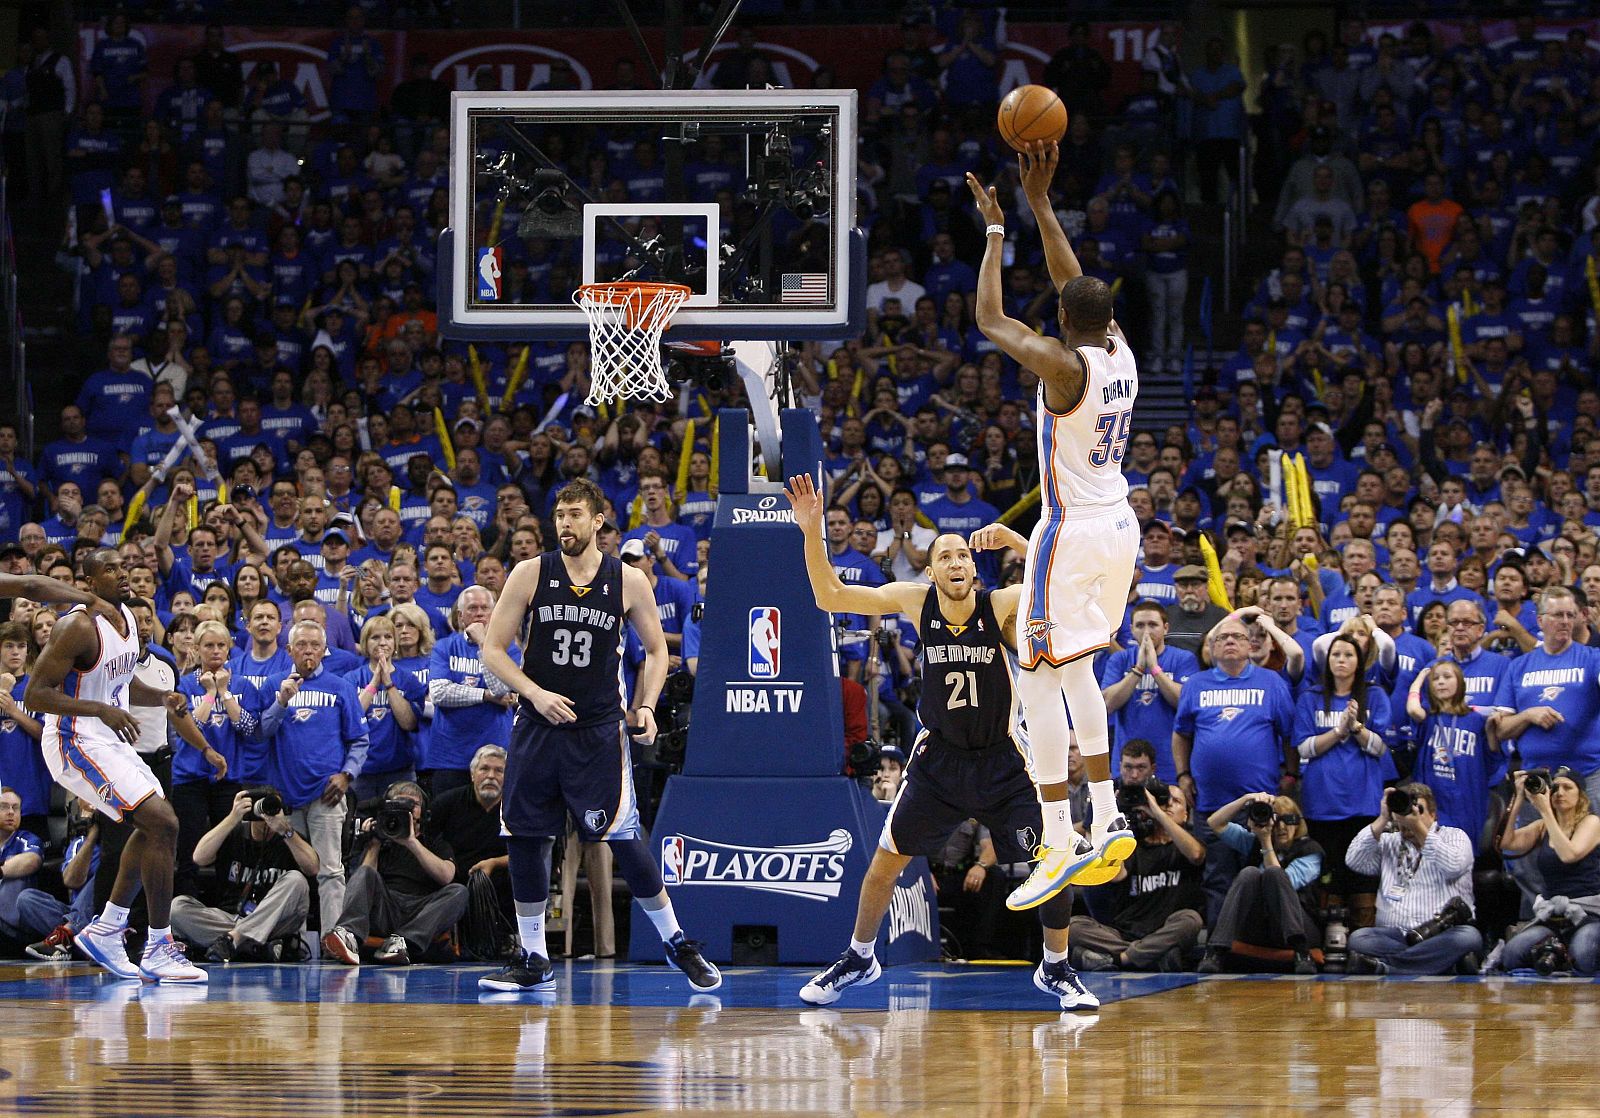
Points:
(264, 1042)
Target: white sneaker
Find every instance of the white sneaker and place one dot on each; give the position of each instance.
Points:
(1051, 873)
(104, 944)
(164, 961)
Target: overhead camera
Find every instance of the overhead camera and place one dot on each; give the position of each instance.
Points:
(707, 365)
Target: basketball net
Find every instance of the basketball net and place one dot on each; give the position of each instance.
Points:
(625, 325)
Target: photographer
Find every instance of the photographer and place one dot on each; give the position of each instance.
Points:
(1424, 887)
(39, 912)
(404, 888)
(1156, 913)
(1267, 904)
(1565, 844)
(264, 876)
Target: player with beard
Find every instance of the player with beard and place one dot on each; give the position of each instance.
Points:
(972, 759)
(569, 743)
(83, 684)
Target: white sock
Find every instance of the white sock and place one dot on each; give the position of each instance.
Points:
(1104, 798)
(865, 948)
(157, 935)
(1054, 956)
(1058, 833)
(530, 931)
(115, 915)
(665, 920)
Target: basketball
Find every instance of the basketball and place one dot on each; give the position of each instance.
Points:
(1031, 113)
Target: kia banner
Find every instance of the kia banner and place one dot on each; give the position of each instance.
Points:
(585, 59)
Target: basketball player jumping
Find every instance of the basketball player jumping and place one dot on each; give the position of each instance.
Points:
(569, 743)
(83, 684)
(970, 761)
(1080, 560)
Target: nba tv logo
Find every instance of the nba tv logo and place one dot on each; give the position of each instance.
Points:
(766, 631)
(489, 260)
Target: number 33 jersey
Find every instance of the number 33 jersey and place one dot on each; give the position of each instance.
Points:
(1081, 450)
(574, 640)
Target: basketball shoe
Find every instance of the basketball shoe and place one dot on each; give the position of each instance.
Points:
(1063, 982)
(850, 970)
(104, 944)
(1115, 845)
(684, 955)
(1052, 872)
(525, 972)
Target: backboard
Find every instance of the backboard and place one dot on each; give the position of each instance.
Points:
(745, 196)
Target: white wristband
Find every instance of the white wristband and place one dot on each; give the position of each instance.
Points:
(1001, 229)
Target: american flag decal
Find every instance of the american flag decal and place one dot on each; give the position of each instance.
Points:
(805, 287)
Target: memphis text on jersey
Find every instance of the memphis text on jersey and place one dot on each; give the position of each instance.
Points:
(578, 615)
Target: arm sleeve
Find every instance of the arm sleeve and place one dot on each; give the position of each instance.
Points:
(445, 693)
(353, 725)
(1303, 871)
(271, 719)
(1453, 849)
(1364, 854)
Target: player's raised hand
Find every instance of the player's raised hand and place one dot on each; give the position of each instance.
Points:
(1036, 167)
(997, 537)
(987, 201)
(806, 502)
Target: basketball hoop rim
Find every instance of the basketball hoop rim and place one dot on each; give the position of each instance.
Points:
(622, 289)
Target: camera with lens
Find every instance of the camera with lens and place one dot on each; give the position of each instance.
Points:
(1454, 914)
(391, 818)
(1398, 801)
(1536, 782)
(264, 802)
(1136, 809)
(861, 761)
(1260, 814)
(887, 639)
(1551, 956)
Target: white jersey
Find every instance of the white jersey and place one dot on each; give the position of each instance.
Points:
(106, 682)
(1080, 451)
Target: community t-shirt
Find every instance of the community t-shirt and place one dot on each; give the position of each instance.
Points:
(1238, 725)
(1569, 682)
(1345, 781)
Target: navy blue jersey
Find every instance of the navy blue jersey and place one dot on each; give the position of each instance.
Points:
(574, 639)
(967, 696)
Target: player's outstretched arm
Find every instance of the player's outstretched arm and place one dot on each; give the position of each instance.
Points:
(41, 588)
(1037, 169)
(832, 594)
(1054, 363)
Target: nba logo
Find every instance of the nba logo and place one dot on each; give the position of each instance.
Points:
(765, 641)
(672, 860)
(489, 274)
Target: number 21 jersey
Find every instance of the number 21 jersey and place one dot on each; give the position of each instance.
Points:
(574, 639)
(1081, 450)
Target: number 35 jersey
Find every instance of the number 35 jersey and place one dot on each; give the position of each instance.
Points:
(574, 639)
(968, 700)
(1081, 449)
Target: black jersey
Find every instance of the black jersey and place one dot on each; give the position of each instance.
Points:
(967, 699)
(574, 639)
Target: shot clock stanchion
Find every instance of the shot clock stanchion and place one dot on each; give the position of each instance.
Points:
(763, 842)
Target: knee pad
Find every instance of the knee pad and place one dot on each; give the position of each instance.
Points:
(637, 867)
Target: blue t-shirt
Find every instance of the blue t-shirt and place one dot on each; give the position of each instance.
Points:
(458, 732)
(418, 666)
(21, 842)
(1238, 725)
(321, 733)
(246, 761)
(677, 543)
(1454, 758)
(22, 766)
(1345, 781)
(437, 607)
(390, 749)
(1146, 714)
(1569, 682)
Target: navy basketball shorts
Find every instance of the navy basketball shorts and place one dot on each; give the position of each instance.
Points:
(553, 771)
(944, 787)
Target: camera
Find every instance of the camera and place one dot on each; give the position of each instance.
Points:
(861, 761)
(1454, 913)
(1260, 814)
(392, 823)
(1551, 956)
(264, 802)
(1132, 804)
(391, 818)
(1537, 782)
(1398, 802)
(887, 639)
